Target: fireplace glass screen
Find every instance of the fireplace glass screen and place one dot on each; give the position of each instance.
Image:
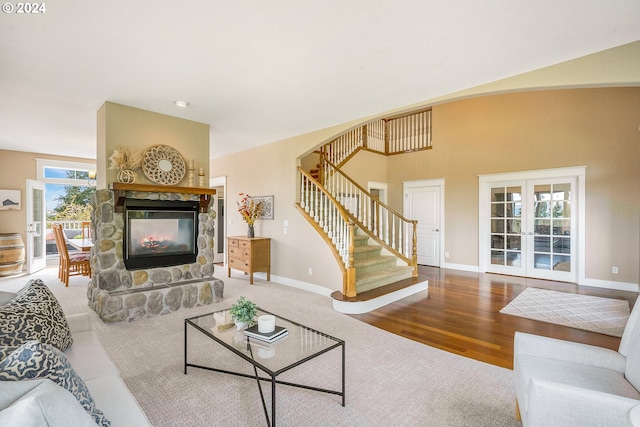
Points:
(160, 233)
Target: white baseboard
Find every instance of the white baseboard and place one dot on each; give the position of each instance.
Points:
(463, 267)
(305, 286)
(321, 290)
(608, 284)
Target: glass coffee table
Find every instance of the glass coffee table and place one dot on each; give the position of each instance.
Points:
(299, 346)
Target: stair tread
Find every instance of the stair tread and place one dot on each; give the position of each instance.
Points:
(365, 277)
(373, 260)
(367, 248)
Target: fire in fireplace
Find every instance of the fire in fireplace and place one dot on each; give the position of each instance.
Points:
(159, 233)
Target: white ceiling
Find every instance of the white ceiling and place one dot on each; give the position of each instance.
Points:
(259, 71)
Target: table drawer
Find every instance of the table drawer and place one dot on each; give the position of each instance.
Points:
(233, 243)
(239, 253)
(238, 264)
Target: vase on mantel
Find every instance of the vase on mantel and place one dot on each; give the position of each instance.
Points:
(126, 176)
(251, 232)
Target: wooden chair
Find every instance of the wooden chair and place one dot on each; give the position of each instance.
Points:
(74, 264)
(86, 229)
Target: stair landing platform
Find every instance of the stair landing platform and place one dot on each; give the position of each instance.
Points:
(371, 300)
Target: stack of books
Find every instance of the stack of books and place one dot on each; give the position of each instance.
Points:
(278, 332)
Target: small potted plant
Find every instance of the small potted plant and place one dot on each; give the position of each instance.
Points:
(243, 312)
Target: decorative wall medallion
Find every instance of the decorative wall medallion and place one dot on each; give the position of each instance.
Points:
(163, 164)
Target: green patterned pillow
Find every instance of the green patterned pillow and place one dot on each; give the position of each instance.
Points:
(37, 360)
(33, 314)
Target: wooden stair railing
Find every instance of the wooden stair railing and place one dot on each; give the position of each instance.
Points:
(383, 224)
(391, 135)
(335, 205)
(332, 221)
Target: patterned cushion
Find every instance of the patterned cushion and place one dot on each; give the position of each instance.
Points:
(33, 314)
(6, 350)
(37, 360)
(80, 256)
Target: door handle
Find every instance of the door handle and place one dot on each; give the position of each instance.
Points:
(436, 230)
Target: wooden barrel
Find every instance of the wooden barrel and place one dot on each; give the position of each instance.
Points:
(11, 253)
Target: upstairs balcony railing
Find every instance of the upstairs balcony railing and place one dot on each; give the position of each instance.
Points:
(388, 136)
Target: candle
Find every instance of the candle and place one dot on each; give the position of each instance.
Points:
(201, 171)
(191, 164)
(266, 323)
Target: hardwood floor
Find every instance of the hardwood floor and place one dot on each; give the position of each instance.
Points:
(460, 313)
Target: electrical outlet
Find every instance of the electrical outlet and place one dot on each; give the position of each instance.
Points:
(446, 254)
(614, 270)
(310, 271)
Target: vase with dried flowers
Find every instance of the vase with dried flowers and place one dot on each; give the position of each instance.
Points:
(124, 161)
(250, 210)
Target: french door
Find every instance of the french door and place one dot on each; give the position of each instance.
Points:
(36, 221)
(531, 227)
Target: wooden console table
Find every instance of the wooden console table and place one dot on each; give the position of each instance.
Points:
(249, 254)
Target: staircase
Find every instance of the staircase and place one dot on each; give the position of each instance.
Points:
(373, 244)
(374, 270)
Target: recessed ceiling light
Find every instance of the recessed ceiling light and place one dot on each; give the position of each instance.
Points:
(182, 104)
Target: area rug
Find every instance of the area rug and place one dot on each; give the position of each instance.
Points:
(596, 314)
(390, 380)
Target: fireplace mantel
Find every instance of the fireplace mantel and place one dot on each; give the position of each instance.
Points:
(120, 190)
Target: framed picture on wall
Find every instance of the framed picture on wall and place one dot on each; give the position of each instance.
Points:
(267, 213)
(10, 200)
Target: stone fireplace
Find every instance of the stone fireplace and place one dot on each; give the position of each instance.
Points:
(117, 292)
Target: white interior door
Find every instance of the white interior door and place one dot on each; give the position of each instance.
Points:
(529, 227)
(551, 229)
(36, 222)
(423, 204)
(507, 236)
(218, 202)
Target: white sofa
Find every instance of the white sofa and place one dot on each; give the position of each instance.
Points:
(562, 383)
(48, 404)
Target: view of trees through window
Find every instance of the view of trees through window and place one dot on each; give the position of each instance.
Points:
(68, 197)
(72, 204)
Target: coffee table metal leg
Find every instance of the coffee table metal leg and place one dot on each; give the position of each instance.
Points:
(343, 370)
(273, 401)
(273, 393)
(185, 348)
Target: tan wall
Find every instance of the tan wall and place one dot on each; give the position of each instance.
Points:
(539, 130)
(271, 170)
(15, 168)
(490, 134)
(367, 166)
(140, 129)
